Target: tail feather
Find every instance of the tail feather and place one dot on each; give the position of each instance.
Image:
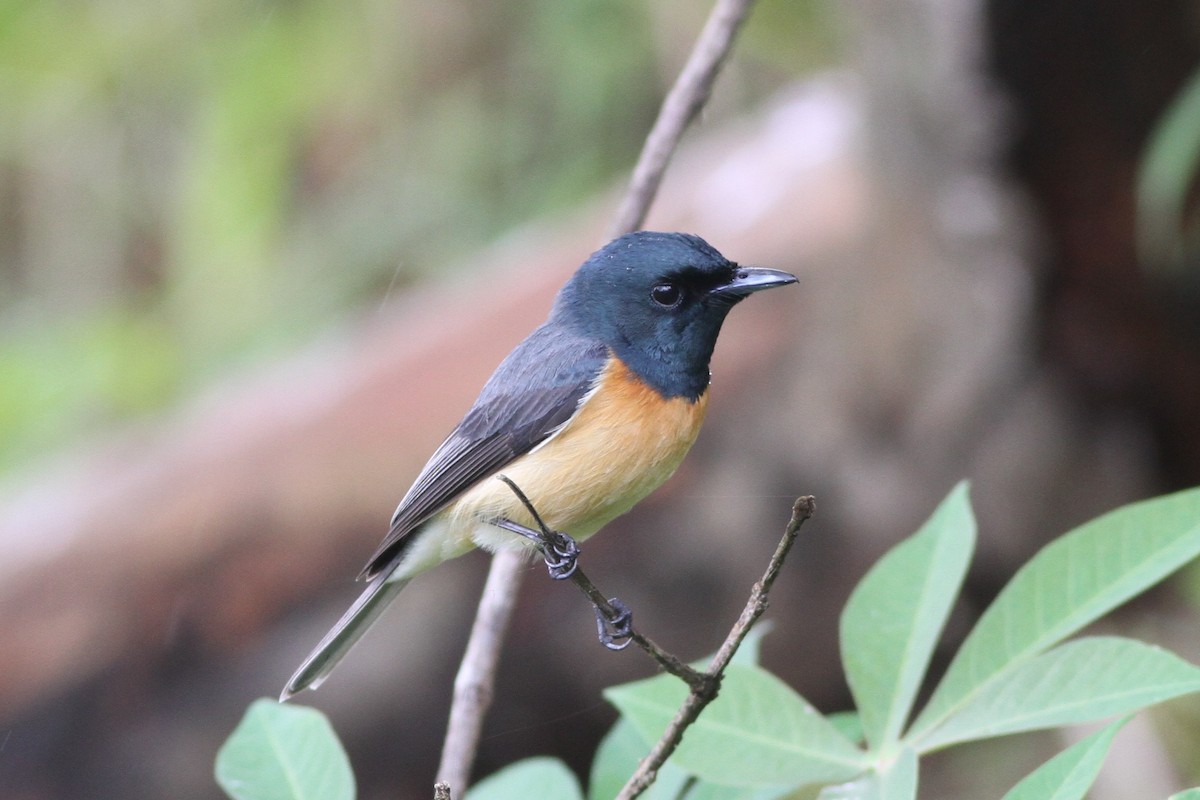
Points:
(348, 630)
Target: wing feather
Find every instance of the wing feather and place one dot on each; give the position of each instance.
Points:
(532, 394)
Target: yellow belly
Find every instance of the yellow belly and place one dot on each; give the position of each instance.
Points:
(621, 445)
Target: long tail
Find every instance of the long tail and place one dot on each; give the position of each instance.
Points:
(353, 624)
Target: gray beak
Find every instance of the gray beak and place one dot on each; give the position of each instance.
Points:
(747, 280)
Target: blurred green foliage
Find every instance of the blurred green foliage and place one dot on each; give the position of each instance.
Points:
(1166, 224)
(186, 186)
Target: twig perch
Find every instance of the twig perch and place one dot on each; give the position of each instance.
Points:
(666, 660)
(608, 608)
(477, 673)
(703, 685)
(701, 696)
(687, 96)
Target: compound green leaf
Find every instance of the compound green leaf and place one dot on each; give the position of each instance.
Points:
(758, 732)
(896, 779)
(1068, 584)
(618, 756)
(895, 616)
(1080, 681)
(1070, 774)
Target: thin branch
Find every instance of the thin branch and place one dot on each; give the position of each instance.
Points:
(666, 660)
(696, 700)
(689, 94)
(703, 686)
(477, 673)
(552, 545)
(802, 510)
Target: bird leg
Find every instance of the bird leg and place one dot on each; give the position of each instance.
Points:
(560, 551)
(614, 620)
(614, 624)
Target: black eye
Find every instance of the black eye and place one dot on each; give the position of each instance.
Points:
(666, 295)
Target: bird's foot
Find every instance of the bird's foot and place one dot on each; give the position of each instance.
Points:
(560, 551)
(615, 632)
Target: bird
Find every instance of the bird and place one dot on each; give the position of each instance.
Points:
(587, 416)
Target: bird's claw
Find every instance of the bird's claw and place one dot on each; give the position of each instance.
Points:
(560, 550)
(561, 554)
(615, 632)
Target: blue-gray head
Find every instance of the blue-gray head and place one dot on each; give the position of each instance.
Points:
(657, 300)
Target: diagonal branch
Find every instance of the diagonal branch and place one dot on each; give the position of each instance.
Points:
(476, 676)
(700, 696)
(548, 543)
(667, 661)
(703, 686)
(689, 94)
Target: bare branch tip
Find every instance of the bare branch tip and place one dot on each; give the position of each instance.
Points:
(802, 509)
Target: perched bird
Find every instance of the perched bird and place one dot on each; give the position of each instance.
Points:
(587, 416)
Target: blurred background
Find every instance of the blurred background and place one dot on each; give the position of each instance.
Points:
(257, 258)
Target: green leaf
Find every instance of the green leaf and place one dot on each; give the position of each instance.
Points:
(848, 724)
(541, 776)
(1186, 794)
(1166, 177)
(895, 780)
(619, 753)
(284, 752)
(1079, 681)
(758, 732)
(623, 748)
(711, 791)
(1068, 584)
(894, 617)
(750, 650)
(1070, 774)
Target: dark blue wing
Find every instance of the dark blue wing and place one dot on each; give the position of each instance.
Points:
(531, 394)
